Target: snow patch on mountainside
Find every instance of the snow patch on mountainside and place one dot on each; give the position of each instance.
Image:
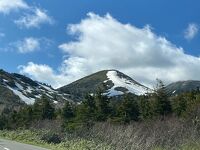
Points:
(24, 92)
(27, 90)
(29, 94)
(125, 83)
(19, 86)
(27, 100)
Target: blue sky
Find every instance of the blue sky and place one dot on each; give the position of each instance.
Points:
(28, 46)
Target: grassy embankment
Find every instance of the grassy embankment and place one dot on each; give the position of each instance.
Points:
(170, 134)
(34, 138)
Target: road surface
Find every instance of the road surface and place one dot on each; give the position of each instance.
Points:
(11, 145)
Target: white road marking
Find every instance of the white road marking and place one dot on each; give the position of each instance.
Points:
(4, 147)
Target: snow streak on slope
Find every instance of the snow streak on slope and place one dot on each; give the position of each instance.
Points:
(28, 90)
(17, 92)
(25, 91)
(124, 83)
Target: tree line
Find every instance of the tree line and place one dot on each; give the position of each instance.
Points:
(99, 108)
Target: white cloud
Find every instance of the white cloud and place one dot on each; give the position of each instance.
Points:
(27, 45)
(7, 6)
(105, 43)
(43, 73)
(191, 31)
(34, 20)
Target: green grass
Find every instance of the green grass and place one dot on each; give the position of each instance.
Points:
(33, 138)
(187, 146)
(191, 146)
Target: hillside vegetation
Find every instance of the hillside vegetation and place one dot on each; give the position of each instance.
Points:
(153, 121)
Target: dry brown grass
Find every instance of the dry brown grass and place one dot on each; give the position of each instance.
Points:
(170, 133)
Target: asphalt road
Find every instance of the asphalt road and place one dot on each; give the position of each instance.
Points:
(12, 145)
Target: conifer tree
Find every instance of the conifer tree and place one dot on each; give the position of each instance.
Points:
(129, 109)
(48, 111)
(146, 108)
(102, 104)
(87, 110)
(179, 105)
(43, 109)
(162, 103)
(67, 111)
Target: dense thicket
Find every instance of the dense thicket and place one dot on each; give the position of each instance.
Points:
(100, 108)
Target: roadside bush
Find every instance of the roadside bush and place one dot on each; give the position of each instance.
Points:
(51, 137)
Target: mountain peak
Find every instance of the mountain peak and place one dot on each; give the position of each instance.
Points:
(113, 83)
(122, 81)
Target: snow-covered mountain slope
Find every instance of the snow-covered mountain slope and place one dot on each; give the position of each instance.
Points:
(21, 89)
(26, 89)
(112, 82)
(125, 82)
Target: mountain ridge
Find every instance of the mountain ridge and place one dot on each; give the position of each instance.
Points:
(182, 86)
(18, 89)
(25, 89)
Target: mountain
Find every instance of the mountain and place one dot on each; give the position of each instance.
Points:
(17, 89)
(113, 83)
(182, 86)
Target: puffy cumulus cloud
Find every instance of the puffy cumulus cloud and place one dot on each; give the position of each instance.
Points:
(35, 19)
(105, 43)
(7, 6)
(191, 31)
(27, 45)
(46, 74)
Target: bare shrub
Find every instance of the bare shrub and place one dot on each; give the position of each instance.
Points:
(52, 125)
(170, 133)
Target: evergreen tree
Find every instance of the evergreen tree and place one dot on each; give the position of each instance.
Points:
(87, 110)
(90, 104)
(23, 117)
(3, 122)
(37, 110)
(146, 108)
(67, 111)
(48, 110)
(43, 109)
(129, 109)
(162, 103)
(179, 105)
(102, 105)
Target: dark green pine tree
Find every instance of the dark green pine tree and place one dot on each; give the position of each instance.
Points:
(87, 110)
(37, 114)
(43, 109)
(103, 109)
(146, 108)
(48, 111)
(3, 122)
(25, 116)
(162, 102)
(67, 112)
(129, 109)
(90, 105)
(179, 105)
